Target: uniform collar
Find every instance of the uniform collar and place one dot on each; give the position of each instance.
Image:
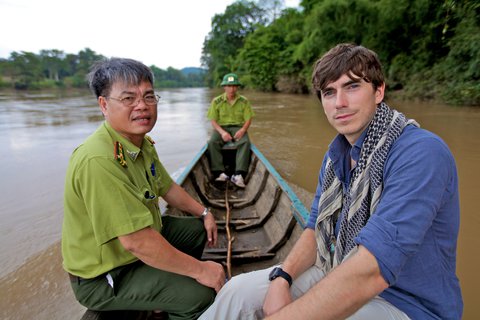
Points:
(130, 149)
(224, 97)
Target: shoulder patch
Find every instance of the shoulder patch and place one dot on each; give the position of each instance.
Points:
(119, 154)
(218, 99)
(149, 139)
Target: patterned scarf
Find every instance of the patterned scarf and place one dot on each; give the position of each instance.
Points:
(363, 193)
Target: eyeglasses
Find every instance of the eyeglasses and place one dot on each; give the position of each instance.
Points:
(133, 101)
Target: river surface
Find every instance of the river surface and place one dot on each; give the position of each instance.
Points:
(38, 132)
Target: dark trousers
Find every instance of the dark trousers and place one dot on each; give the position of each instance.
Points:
(216, 143)
(140, 287)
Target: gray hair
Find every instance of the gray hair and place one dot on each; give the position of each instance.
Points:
(104, 73)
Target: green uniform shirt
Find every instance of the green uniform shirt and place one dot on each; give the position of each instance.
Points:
(106, 198)
(226, 114)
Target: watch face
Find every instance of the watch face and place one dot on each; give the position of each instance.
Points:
(278, 272)
(274, 274)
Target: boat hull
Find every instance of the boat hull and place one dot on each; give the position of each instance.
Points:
(265, 218)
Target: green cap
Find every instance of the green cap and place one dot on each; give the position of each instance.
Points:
(230, 79)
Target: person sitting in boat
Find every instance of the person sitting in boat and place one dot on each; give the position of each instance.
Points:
(381, 238)
(120, 253)
(231, 115)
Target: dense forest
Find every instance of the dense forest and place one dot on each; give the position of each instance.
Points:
(430, 49)
(54, 68)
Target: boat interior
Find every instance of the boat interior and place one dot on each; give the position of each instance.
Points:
(257, 225)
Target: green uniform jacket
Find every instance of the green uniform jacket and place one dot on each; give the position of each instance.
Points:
(112, 189)
(227, 115)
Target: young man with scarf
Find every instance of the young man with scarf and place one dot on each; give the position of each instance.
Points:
(382, 234)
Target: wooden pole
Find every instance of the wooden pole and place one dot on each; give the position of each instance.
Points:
(229, 236)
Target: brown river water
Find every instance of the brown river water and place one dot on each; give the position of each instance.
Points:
(38, 132)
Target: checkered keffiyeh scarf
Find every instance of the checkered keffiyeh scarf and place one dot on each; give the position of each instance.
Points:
(363, 194)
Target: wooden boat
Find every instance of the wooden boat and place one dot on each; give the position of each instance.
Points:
(264, 219)
(257, 225)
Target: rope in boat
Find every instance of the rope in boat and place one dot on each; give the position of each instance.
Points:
(229, 237)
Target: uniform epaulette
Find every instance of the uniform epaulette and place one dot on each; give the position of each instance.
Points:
(119, 154)
(218, 99)
(149, 139)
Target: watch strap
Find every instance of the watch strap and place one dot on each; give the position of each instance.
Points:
(278, 272)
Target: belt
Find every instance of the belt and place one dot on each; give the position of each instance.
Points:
(75, 279)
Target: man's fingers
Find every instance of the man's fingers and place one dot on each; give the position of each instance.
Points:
(214, 238)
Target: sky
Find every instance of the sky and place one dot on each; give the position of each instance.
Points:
(164, 33)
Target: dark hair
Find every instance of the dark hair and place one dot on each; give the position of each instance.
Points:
(346, 58)
(104, 73)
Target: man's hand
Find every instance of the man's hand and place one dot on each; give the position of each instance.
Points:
(226, 136)
(212, 275)
(211, 228)
(153, 249)
(239, 134)
(301, 257)
(278, 296)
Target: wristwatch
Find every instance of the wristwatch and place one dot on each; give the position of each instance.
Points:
(204, 213)
(278, 272)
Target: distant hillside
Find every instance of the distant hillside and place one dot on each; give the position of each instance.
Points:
(194, 70)
(190, 77)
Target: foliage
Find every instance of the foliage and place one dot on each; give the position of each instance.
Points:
(334, 21)
(53, 68)
(272, 9)
(49, 68)
(173, 78)
(266, 60)
(430, 49)
(460, 69)
(227, 37)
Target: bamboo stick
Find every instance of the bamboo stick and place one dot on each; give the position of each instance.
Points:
(229, 236)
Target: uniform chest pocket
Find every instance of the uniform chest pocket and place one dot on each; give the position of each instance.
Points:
(239, 112)
(224, 113)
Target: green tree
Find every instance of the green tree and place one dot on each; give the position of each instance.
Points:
(258, 59)
(460, 70)
(227, 37)
(85, 59)
(407, 48)
(267, 58)
(26, 69)
(174, 78)
(272, 9)
(334, 21)
(308, 5)
(52, 63)
(4, 72)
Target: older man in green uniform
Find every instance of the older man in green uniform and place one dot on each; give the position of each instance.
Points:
(120, 253)
(231, 115)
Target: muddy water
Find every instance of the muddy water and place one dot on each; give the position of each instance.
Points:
(38, 132)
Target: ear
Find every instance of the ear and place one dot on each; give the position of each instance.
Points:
(380, 93)
(102, 103)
